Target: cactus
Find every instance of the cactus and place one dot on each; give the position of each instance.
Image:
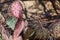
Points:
(16, 9)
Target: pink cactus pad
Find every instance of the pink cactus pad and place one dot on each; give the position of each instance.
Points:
(16, 9)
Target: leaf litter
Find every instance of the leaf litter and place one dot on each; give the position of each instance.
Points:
(42, 16)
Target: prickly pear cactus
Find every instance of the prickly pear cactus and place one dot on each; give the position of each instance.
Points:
(29, 34)
(16, 9)
(56, 30)
(42, 34)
